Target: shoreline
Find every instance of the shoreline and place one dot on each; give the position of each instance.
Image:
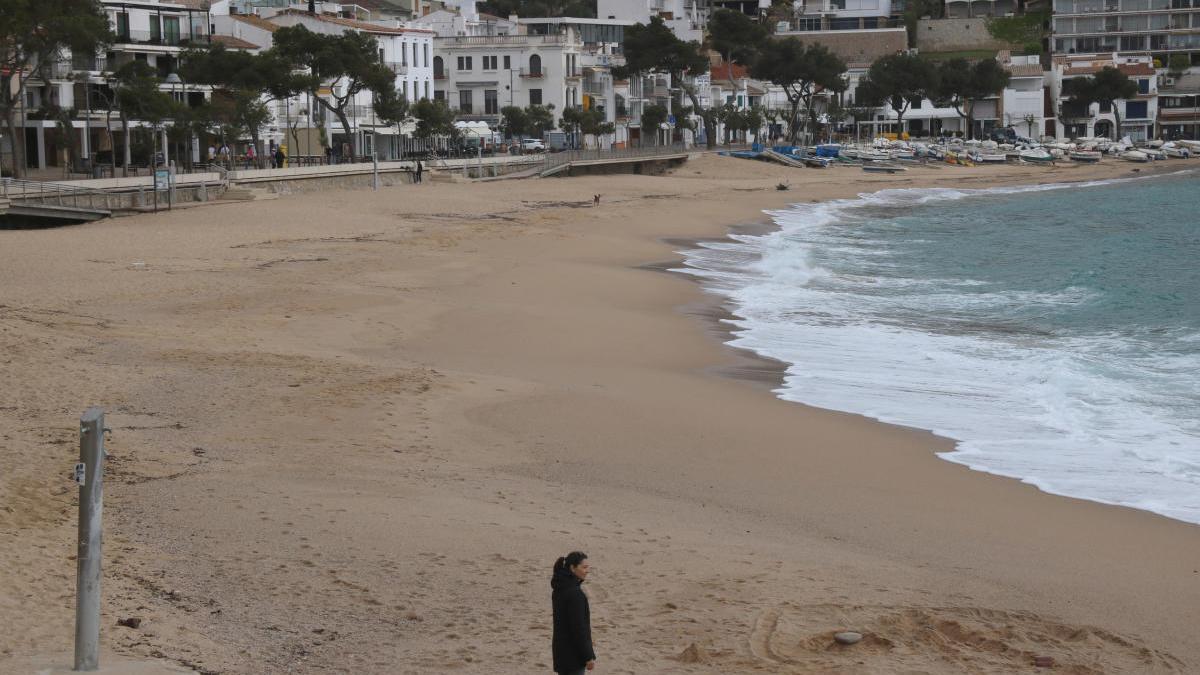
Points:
(341, 418)
(769, 372)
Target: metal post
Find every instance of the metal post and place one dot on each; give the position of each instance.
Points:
(89, 473)
(375, 169)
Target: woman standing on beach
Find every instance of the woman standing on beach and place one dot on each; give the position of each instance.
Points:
(572, 641)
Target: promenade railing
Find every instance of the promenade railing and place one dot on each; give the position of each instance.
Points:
(51, 194)
(555, 159)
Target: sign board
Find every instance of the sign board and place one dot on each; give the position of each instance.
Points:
(80, 476)
(671, 120)
(162, 179)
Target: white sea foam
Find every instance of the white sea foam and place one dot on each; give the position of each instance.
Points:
(1059, 412)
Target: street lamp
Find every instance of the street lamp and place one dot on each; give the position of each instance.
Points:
(173, 79)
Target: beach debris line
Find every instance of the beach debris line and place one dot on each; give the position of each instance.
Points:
(847, 637)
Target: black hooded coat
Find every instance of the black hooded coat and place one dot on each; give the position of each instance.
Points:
(572, 640)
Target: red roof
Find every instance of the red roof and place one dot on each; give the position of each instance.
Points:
(728, 71)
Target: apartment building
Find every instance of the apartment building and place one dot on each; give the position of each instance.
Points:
(685, 18)
(1161, 28)
(1139, 115)
(65, 116)
(477, 75)
(408, 52)
(1179, 107)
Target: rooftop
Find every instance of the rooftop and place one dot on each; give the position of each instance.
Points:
(256, 21)
(233, 42)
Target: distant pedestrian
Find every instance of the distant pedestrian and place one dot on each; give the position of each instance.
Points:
(280, 158)
(420, 171)
(251, 155)
(212, 153)
(572, 636)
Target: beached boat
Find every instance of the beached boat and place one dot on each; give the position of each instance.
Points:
(882, 168)
(817, 162)
(1036, 156)
(1088, 156)
(982, 157)
(1134, 156)
(1194, 146)
(1175, 151)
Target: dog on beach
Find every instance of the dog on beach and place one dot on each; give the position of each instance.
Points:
(595, 200)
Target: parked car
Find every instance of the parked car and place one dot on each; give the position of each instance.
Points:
(533, 145)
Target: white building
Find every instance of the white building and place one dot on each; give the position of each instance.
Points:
(685, 18)
(148, 31)
(1023, 101)
(1139, 114)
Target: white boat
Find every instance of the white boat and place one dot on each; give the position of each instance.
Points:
(1036, 156)
(1194, 146)
(1088, 156)
(1170, 149)
(874, 155)
(1134, 156)
(980, 157)
(1154, 153)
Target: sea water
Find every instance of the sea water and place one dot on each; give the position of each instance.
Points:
(1052, 331)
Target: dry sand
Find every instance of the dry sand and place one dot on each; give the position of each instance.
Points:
(352, 430)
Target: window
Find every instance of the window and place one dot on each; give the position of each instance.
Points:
(464, 101)
(155, 30)
(426, 88)
(425, 48)
(464, 63)
(1105, 107)
(1135, 110)
(123, 25)
(490, 105)
(170, 30)
(915, 103)
(507, 62)
(415, 64)
(535, 97)
(489, 62)
(535, 65)
(404, 55)
(381, 57)
(1143, 86)
(439, 95)
(439, 68)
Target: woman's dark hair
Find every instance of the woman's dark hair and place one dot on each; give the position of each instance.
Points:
(569, 560)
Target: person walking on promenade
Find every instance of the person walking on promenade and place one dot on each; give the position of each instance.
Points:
(251, 156)
(420, 171)
(572, 637)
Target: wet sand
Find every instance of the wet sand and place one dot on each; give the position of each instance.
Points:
(352, 430)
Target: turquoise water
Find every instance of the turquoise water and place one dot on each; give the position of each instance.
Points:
(1054, 332)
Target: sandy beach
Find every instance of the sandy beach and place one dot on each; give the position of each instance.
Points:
(352, 430)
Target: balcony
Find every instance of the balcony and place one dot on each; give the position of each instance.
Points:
(532, 74)
(397, 68)
(167, 39)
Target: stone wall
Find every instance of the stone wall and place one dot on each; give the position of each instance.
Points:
(858, 47)
(952, 35)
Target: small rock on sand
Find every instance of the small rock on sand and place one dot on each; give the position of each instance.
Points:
(1043, 661)
(847, 637)
(694, 654)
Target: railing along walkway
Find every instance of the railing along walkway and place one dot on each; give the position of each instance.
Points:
(52, 194)
(557, 159)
